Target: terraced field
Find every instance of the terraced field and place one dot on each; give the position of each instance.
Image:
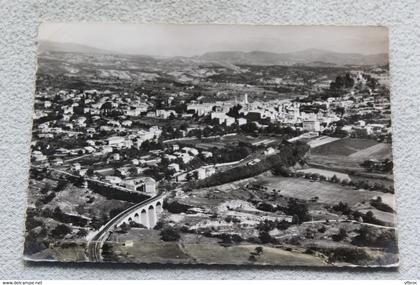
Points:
(345, 147)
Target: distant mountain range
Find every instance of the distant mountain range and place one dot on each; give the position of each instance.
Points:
(312, 57)
(46, 46)
(304, 57)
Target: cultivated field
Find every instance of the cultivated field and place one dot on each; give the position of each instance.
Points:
(345, 147)
(317, 142)
(330, 193)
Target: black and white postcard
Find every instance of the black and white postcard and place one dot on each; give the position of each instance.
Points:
(212, 144)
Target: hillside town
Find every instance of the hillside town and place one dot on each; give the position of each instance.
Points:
(107, 127)
(189, 160)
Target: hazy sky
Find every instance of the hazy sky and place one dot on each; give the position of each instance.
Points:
(189, 40)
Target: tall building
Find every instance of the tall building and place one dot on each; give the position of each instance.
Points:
(245, 100)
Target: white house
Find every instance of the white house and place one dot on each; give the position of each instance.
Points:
(143, 184)
(311, 126)
(113, 179)
(174, 166)
(116, 141)
(76, 166)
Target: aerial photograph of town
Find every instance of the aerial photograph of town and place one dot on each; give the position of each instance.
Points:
(212, 144)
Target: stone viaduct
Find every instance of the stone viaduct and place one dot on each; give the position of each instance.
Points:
(146, 214)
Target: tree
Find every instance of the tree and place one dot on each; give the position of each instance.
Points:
(60, 186)
(60, 231)
(57, 213)
(189, 176)
(230, 238)
(47, 198)
(265, 237)
(369, 236)
(300, 209)
(82, 233)
(124, 228)
(175, 207)
(258, 250)
(169, 233)
(283, 225)
(114, 212)
(342, 208)
(234, 111)
(334, 179)
(47, 188)
(342, 234)
(266, 207)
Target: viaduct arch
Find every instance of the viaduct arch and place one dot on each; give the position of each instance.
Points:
(146, 215)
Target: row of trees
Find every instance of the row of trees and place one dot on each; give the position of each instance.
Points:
(384, 166)
(360, 184)
(58, 215)
(289, 155)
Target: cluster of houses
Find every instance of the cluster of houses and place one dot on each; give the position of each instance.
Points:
(73, 114)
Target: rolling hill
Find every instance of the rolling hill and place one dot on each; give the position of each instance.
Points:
(311, 57)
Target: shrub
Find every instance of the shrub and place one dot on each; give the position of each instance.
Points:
(175, 207)
(253, 240)
(134, 224)
(230, 238)
(265, 237)
(266, 207)
(322, 229)
(378, 204)
(252, 258)
(158, 226)
(342, 208)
